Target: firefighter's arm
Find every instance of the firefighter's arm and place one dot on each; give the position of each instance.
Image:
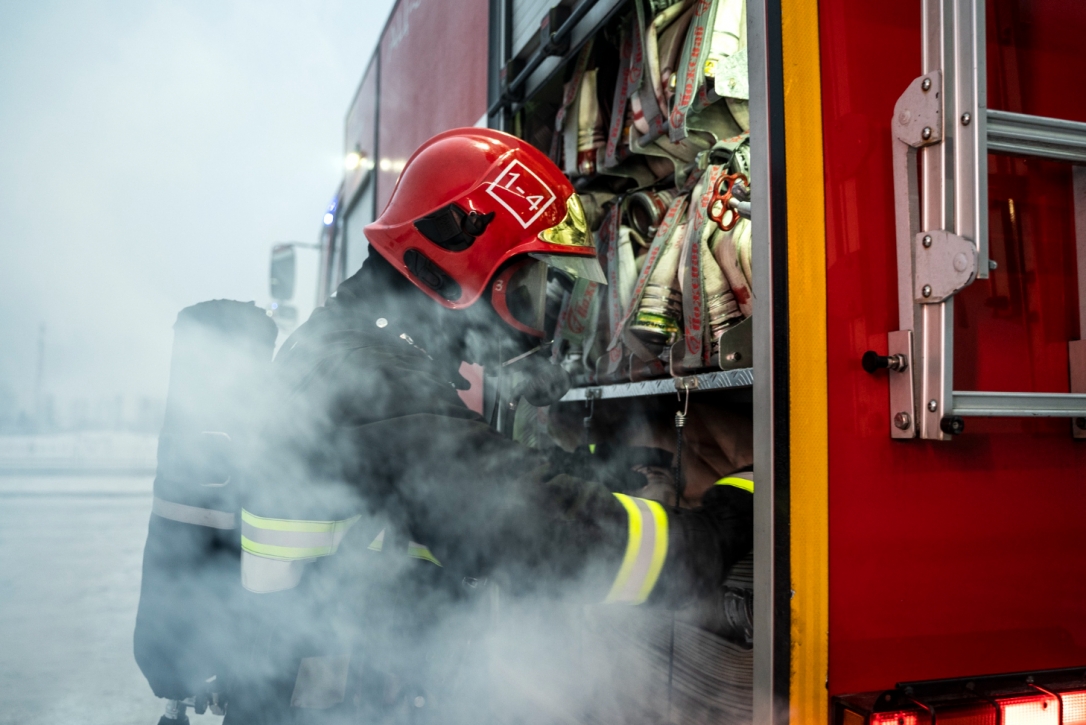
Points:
(656, 554)
(482, 502)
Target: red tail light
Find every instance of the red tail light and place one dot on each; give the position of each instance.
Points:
(1030, 710)
(893, 718)
(1042, 697)
(1074, 707)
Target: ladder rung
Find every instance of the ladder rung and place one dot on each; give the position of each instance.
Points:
(1024, 135)
(1018, 405)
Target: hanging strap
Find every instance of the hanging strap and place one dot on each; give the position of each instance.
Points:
(669, 231)
(646, 98)
(695, 323)
(570, 95)
(622, 94)
(725, 248)
(695, 48)
(610, 236)
(672, 222)
(583, 311)
(583, 317)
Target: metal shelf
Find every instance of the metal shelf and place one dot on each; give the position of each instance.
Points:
(719, 380)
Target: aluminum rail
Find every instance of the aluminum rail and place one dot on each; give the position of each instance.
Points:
(1024, 135)
(545, 51)
(718, 380)
(1019, 405)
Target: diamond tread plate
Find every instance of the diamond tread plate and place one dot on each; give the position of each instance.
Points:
(740, 378)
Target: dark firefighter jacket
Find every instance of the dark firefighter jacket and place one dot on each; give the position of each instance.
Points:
(378, 501)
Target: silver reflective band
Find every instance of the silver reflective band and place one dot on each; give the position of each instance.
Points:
(192, 515)
(291, 539)
(262, 575)
(321, 682)
(646, 550)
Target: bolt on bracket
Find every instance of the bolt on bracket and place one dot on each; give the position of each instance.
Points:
(918, 113)
(690, 382)
(943, 265)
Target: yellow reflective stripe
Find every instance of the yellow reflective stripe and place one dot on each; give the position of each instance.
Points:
(659, 550)
(414, 549)
(633, 545)
(302, 526)
(286, 553)
(291, 540)
(646, 551)
(743, 483)
(417, 551)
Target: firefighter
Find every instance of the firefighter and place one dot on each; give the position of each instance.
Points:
(380, 504)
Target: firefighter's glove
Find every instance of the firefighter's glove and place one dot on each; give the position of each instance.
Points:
(704, 543)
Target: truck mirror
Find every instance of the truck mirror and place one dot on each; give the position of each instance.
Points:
(281, 276)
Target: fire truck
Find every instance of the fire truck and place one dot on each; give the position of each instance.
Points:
(912, 355)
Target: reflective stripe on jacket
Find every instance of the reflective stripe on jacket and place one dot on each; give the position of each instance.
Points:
(185, 514)
(743, 480)
(646, 549)
(291, 540)
(274, 552)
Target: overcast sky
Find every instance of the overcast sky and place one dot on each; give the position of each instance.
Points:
(151, 151)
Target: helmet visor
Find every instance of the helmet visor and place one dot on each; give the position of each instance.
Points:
(575, 266)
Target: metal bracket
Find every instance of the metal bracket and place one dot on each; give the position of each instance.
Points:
(918, 113)
(943, 264)
(902, 406)
(690, 382)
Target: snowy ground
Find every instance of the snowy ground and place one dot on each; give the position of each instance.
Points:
(70, 552)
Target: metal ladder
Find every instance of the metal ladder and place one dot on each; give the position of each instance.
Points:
(942, 243)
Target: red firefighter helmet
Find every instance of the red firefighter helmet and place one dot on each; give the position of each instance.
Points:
(469, 201)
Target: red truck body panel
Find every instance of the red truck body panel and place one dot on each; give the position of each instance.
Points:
(433, 58)
(361, 130)
(969, 556)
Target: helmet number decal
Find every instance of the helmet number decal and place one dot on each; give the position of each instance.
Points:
(521, 193)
